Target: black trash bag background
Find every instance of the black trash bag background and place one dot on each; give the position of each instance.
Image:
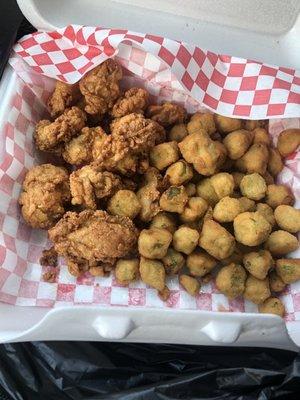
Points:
(126, 371)
(115, 371)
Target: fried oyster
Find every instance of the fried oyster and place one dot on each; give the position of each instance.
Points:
(93, 238)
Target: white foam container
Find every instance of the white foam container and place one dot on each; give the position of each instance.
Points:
(268, 31)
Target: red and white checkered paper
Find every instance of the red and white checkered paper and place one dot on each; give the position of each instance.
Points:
(169, 70)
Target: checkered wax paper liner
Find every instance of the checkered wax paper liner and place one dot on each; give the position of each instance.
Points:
(169, 70)
(227, 85)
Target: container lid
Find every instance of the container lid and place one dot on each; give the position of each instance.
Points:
(266, 31)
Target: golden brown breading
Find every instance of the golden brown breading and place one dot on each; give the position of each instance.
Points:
(64, 96)
(272, 306)
(127, 270)
(288, 141)
(92, 237)
(90, 183)
(45, 191)
(49, 258)
(48, 135)
(153, 273)
(227, 124)
(132, 135)
(190, 284)
(167, 114)
(251, 228)
(230, 280)
(100, 87)
(216, 240)
(80, 150)
(138, 131)
(149, 194)
(206, 155)
(131, 164)
(134, 100)
(92, 119)
(254, 160)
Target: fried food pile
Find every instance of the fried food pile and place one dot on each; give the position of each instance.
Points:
(148, 191)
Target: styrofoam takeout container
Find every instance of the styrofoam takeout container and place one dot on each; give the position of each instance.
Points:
(258, 30)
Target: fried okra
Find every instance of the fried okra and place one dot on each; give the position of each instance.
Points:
(185, 239)
(275, 163)
(125, 203)
(191, 189)
(164, 220)
(276, 283)
(179, 173)
(250, 124)
(287, 218)
(279, 194)
(230, 280)
(164, 154)
(174, 199)
(258, 263)
(190, 284)
(254, 160)
(268, 178)
(173, 261)
(253, 186)
(164, 294)
(251, 228)
(127, 271)
(260, 135)
(208, 215)
(272, 306)
(200, 121)
(281, 242)
(206, 190)
(223, 184)
(200, 263)
(288, 141)
(152, 273)
(206, 155)
(237, 177)
(267, 212)
(246, 204)
(237, 256)
(216, 240)
(195, 209)
(177, 133)
(288, 269)
(257, 290)
(227, 209)
(237, 143)
(227, 124)
(154, 242)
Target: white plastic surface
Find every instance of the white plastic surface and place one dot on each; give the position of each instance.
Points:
(142, 325)
(266, 31)
(150, 325)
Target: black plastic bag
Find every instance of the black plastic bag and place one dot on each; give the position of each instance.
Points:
(84, 371)
(81, 370)
(13, 26)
